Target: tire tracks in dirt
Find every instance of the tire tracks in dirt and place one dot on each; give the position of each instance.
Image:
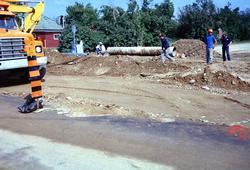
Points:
(238, 102)
(108, 91)
(145, 91)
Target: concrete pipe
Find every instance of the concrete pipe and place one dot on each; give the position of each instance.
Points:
(140, 51)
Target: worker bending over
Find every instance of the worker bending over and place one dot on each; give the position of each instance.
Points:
(167, 51)
(100, 49)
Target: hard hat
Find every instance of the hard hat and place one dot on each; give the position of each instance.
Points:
(100, 43)
(210, 30)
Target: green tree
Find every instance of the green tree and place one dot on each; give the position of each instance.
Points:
(145, 5)
(229, 20)
(245, 25)
(195, 19)
(155, 20)
(85, 17)
(116, 27)
(165, 13)
(140, 26)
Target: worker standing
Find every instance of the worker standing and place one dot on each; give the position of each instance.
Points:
(226, 42)
(210, 42)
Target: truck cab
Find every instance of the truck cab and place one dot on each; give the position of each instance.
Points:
(16, 45)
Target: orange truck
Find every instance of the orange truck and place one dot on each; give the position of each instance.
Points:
(18, 42)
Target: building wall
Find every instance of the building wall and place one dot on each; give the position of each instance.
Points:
(48, 39)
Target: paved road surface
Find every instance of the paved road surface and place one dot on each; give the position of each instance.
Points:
(46, 140)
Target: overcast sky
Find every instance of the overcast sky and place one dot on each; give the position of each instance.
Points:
(55, 8)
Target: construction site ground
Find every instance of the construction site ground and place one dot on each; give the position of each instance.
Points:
(143, 87)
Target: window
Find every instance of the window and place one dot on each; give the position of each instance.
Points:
(57, 36)
(34, 35)
(8, 22)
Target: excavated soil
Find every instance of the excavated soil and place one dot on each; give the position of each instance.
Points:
(144, 87)
(112, 66)
(192, 48)
(222, 75)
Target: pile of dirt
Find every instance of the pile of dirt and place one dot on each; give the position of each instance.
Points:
(180, 71)
(54, 57)
(112, 66)
(219, 79)
(192, 48)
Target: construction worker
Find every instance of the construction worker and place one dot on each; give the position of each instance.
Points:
(167, 51)
(226, 42)
(100, 49)
(210, 42)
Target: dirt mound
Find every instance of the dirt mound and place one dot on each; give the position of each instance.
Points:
(152, 68)
(54, 57)
(112, 66)
(192, 48)
(219, 79)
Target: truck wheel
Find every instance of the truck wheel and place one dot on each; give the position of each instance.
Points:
(42, 72)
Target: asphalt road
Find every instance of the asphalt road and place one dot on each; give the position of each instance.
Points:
(46, 140)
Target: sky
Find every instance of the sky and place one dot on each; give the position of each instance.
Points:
(56, 8)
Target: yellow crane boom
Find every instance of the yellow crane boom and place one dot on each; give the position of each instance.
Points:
(34, 14)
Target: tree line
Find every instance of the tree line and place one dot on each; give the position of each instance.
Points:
(140, 25)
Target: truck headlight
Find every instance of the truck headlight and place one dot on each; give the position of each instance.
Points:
(39, 49)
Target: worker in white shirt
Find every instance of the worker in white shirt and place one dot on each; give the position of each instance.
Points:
(169, 54)
(100, 49)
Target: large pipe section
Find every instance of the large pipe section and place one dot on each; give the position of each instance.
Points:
(141, 51)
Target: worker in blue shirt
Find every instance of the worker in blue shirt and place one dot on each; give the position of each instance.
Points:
(226, 42)
(167, 51)
(210, 42)
(164, 41)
